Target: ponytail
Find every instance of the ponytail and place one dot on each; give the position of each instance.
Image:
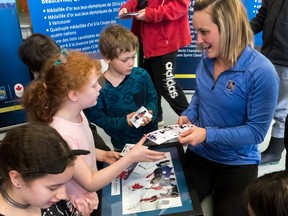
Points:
(36, 102)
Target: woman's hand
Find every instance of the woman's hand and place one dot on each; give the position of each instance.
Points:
(183, 120)
(193, 136)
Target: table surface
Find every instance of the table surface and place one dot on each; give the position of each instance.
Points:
(116, 203)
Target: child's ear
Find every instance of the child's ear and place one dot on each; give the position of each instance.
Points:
(106, 60)
(73, 95)
(16, 179)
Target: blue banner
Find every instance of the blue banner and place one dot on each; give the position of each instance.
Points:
(76, 24)
(252, 9)
(188, 58)
(14, 74)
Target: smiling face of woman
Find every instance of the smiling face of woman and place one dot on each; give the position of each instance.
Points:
(208, 36)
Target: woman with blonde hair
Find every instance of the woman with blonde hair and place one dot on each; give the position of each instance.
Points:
(232, 107)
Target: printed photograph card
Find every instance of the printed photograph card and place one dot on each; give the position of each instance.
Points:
(168, 133)
(137, 118)
(128, 15)
(151, 186)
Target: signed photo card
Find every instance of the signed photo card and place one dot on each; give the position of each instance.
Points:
(137, 118)
(151, 186)
(168, 133)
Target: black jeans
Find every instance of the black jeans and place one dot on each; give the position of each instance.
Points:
(161, 70)
(227, 182)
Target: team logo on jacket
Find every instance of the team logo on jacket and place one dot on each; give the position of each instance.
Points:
(230, 86)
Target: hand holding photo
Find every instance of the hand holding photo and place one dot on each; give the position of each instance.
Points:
(168, 133)
(128, 15)
(137, 118)
(127, 148)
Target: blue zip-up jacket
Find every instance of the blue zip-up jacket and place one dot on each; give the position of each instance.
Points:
(236, 110)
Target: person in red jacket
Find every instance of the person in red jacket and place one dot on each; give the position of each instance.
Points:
(162, 28)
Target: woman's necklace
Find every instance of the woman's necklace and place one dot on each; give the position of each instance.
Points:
(12, 202)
